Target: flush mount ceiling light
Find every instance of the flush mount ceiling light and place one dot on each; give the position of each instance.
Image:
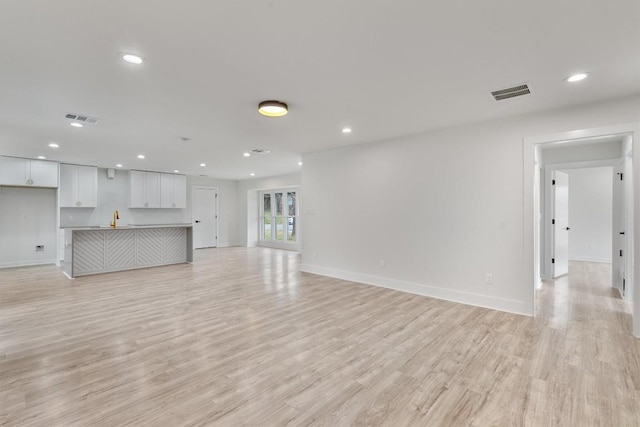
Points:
(273, 108)
(118, 165)
(176, 171)
(346, 130)
(252, 174)
(54, 145)
(131, 58)
(41, 157)
(246, 154)
(76, 124)
(577, 77)
(299, 163)
(203, 164)
(141, 156)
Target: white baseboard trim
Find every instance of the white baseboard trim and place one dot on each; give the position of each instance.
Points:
(26, 264)
(605, 261)
(468, 298)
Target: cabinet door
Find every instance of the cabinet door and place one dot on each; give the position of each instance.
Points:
(87, 187)
(44, 174)
(14, 171)
(180, 183)
(137, 189)
(167, 191)
(153, 190)
(68, 186)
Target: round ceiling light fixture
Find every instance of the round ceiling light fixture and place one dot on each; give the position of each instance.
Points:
(54, 145)
(131, 58)
(273, 108)
(76, 124)
(577, 77)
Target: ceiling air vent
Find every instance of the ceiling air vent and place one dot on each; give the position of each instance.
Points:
(82, 118)
(260, 151)
(511, 92)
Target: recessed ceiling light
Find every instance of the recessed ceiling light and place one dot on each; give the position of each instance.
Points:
(141, 156)
(203, 164)
(299, 163)
(118, 165)
(346, 130)
(132, 59)
(577, 77)
(253, 174)
(176, 171)
(246, 154)
(273, 108)
(41, 157)
(76, 124)
(54, 145)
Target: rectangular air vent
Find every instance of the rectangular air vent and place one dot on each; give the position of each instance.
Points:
(82, 118)
(511, 92)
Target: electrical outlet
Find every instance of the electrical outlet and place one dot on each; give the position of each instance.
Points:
(488, 279)
(381, 263)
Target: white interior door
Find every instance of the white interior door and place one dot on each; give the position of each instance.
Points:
(205, 224)
(561, 224)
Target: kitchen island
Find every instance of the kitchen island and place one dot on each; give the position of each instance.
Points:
(92, 250)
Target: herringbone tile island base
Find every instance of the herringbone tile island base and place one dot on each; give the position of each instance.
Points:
(241, 337)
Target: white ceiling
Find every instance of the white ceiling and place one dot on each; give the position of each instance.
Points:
(384, 68)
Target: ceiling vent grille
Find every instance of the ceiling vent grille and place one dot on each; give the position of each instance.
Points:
(260, 151)
(82, 118)
(511, 92)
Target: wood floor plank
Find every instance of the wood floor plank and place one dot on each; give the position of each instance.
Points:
(241, 337)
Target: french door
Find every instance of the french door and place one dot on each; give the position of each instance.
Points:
(279, 217)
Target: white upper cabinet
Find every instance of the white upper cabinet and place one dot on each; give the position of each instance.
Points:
(78, 186)
(144, 189)
(173, 192)
(29, 173)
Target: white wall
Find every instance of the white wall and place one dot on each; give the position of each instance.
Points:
(227, 207)
(248, 207)
(442, 209)
(27, 218)
(559, 153)
(590, 214)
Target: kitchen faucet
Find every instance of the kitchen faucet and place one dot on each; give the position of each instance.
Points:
(116, 217)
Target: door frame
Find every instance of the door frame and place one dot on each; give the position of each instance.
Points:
(206, 187)
(531, 205)
(549, 207)
(552, 198)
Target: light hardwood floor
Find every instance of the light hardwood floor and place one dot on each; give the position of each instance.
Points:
(242, 338)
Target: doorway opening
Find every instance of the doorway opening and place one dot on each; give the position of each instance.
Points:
(553, 156)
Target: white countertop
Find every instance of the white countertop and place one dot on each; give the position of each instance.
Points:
(124, 227)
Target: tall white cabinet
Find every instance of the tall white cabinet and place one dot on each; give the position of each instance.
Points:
(21, 172)
(78, 186)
